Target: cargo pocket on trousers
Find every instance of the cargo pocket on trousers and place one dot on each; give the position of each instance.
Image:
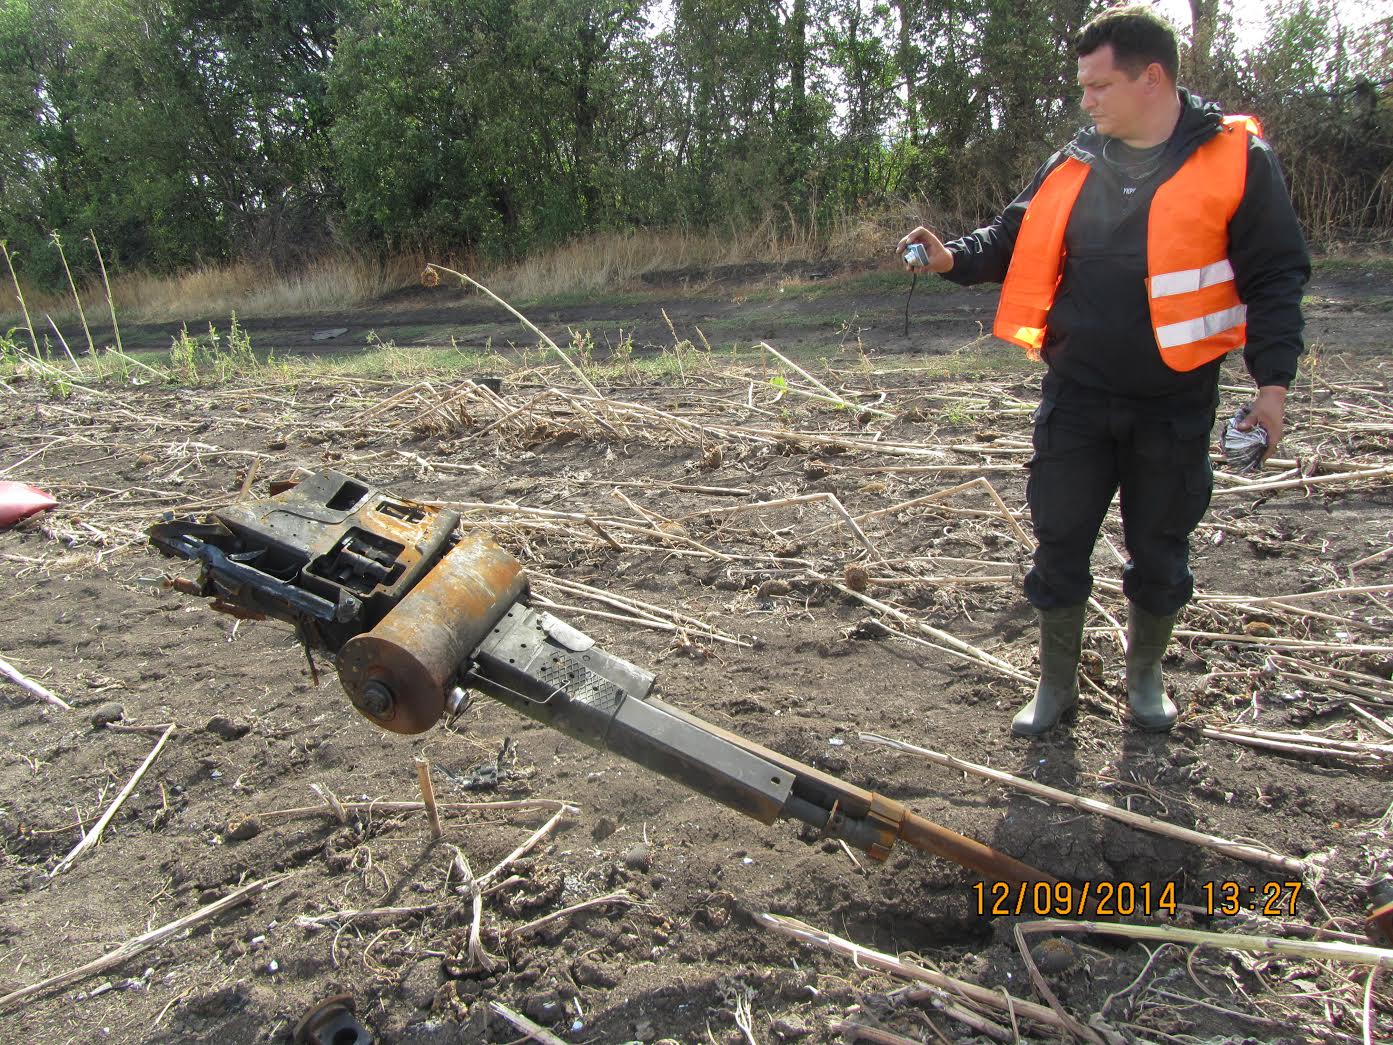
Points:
(1040, 440)
(1196, 473)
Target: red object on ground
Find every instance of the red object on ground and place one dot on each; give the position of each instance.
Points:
(19, 501)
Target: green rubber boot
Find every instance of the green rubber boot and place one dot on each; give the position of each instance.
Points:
(1147, 636)
(1061, 641)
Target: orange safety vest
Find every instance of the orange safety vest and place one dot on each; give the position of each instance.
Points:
(1196, 312)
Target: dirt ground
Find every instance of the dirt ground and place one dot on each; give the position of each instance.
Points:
(683, 955)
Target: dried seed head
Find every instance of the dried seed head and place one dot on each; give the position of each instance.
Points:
(429, 277)
(856, 578)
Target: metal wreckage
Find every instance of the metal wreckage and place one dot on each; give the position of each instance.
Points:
(416, 617)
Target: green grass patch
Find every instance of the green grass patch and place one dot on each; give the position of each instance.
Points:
(1353, 265)
(219, 356)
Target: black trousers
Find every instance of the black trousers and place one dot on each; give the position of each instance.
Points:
(1088, 446)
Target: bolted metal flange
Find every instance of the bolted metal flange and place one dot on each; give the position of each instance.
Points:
(377, 699)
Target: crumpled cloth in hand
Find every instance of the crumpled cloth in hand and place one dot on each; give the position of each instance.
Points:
(1244, 450)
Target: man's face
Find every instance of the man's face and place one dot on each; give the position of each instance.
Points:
(1119, 104)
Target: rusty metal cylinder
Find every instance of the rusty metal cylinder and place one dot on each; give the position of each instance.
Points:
(399, 673)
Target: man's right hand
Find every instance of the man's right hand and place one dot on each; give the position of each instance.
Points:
(940, 260)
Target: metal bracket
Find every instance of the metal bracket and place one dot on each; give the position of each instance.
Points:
(331, 1022)
(888, 815)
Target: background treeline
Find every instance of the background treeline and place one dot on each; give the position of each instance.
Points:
(192, 132)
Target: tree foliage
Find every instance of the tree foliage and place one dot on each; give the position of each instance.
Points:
(188, 131)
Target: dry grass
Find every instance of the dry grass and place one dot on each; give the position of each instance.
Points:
(611, 261)
(335, 282)
(599, 263)
(615, 260)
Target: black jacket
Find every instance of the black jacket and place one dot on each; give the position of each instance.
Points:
(1099, 331)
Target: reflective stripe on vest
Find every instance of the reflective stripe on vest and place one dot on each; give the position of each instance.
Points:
(1196, 312)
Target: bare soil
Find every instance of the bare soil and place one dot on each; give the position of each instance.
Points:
(83, 612)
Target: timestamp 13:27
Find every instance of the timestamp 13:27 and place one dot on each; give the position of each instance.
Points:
(1124, 899)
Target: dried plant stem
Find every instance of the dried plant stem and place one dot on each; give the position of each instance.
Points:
(819, 385)
(478, 957)
(1368, 754)
(642, 512)
(940, 581)
(24, 308)
(417, 807)
(1026, 541)
(1373, 720)
(135, 362)
(1300, 596)
(367, 914)
(331, 800)
(585, 520)
(979, 483)
(1312, 740)
(144, 942)
(1043, 989)
(1282, 643)
(864, 956)
(1327, 669)
(953, 645)
(428, 795)
(578, 405)
(1277, 606)
(390, 401)
(526, 847)
(1369, 560)
(64, 342)
(939, 1000)
(651, 414)
(77, 298)
(503, 419)
(93, 836)
(1313, 480)
(110, 301)
(640, 608)
(30, 686)
(786, 502)
(1119, 632)
(855, 1030)
(599, 901)
(1367, 1022)
(518, 1021)
(714, 491)
(1317, 950)
(947, 469)
(1237, 850)
(525, 322)
(624, 618)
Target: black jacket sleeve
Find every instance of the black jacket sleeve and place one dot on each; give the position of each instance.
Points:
(983, 256)
(1271, 266)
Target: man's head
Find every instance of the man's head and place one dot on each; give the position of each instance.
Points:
(1128, 64)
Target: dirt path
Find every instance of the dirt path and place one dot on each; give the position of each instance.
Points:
(800, 308)
(83, 612)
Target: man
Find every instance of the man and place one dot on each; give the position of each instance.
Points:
(1159, 239)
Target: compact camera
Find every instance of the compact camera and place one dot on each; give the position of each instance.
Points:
(916, 256)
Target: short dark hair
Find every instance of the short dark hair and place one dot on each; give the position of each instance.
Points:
(1139, 36)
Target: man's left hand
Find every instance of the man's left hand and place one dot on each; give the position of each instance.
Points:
(1268, 410)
